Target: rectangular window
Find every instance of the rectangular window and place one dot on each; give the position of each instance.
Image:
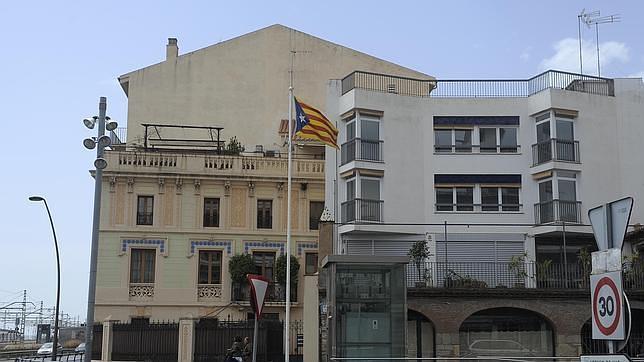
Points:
(510, 198)
(443, 140)
(315, 211)
(567, 190)
(508, 139)
(444, 199)
(464, 199)
(265, 263)
(209, 267)
(211, 212)
(142, 265)
(369, 130)
(489, 198)
(488, 139)
(145, 210)
(311, 263)
(463, 140)
(264, 214)
(351, 130)
(351, 190)
(565, 130)
(370, 189)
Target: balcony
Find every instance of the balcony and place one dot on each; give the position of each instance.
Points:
(209, 164)
(557, 211)
(361, 150)
(478, 88)
(276, 293)
(555, 150)
(362, 210)
(531, 275)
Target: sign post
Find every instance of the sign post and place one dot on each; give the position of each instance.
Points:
(258, 288)
(609, 223)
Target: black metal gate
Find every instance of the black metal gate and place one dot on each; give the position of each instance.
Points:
(141, 341)
(97, 341)
(213, 338)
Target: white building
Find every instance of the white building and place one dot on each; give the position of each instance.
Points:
(534, 153)
(498, 177)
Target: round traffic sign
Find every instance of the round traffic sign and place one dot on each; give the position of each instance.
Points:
(607, 307)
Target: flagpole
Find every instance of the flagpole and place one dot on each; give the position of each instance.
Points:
(287, 318)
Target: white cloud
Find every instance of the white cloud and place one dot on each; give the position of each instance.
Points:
(566, 55)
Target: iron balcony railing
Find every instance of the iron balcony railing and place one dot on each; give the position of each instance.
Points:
(362, 210)
(276, 293)
(555, 149)
(557, 210)
(118, 136)
(536, 275)
(362, 150)
(479, 88)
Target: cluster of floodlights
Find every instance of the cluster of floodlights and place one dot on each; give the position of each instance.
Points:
(102, 140)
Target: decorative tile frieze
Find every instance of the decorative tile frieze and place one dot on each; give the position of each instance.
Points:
(303, 245)
(267, 245)
(160, 243)
(199, 244)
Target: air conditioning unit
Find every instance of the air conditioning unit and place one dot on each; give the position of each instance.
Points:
(259, 148)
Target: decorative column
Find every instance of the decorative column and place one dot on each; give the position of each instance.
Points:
(186, 339)
(108, 338)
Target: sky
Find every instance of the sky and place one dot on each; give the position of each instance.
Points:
(60, 56)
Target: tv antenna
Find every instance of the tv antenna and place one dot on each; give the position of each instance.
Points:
(594, 18)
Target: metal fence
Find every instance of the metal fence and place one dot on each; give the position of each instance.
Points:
(141, 341)
(557, 210)
(359, 149)
(276, 293)
(537, 275)
(555, 150)
(63, 356)
(213, 338)
(481, 88)
(97, 341)
(362, 210)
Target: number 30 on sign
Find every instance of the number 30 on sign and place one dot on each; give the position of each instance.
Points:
(607, 306)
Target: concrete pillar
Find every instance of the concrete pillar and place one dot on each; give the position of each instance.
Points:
(172, 49)
(106, 349)
(311, 318)
(186, 339)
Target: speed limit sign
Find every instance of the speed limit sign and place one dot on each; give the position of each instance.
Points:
(607, 306)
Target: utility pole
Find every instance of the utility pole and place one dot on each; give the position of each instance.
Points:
(24, 313)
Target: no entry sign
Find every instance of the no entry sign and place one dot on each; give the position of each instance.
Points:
(607, 306)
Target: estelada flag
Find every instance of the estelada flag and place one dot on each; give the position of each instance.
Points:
(312, 124)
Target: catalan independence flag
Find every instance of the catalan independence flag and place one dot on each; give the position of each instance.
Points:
(311, 124)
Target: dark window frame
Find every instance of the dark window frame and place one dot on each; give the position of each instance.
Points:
(145, 210)
(211, 214)
(211, 266)
(260, 259)
(140, 275)
(264, 214)
(314, 265)
(314, 219)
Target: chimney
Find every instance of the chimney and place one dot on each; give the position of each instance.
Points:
(171, 50)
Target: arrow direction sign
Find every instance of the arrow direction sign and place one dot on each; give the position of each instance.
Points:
(610, 222)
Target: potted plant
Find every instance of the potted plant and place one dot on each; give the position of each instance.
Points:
(418, 253)
(585, 262)
(517, 267)
(543, 271)
(234, 147)
(239, 266)
(280, 273)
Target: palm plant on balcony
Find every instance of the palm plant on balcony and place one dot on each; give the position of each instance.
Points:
(418, 253)
(280, 272)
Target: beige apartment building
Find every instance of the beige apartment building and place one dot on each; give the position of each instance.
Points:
(176, 207)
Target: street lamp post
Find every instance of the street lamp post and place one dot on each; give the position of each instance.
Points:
(100, 142)
(51, 221)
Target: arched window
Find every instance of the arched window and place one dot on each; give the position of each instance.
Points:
(510, 332)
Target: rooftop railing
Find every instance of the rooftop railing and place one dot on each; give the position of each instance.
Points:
(478, 88)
